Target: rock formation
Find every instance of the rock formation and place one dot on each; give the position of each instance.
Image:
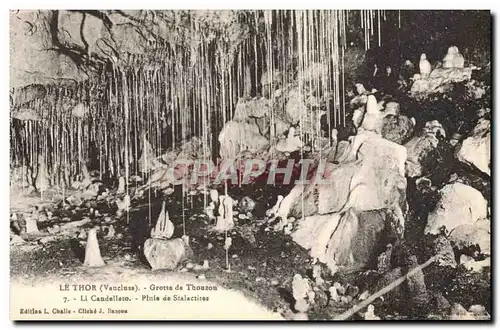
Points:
(425, 66)
(420, 146)
(476, 148)
(374, 180)
(164, 228)
(165, 254)
(92, 252)
(225, 220)
(459, 205)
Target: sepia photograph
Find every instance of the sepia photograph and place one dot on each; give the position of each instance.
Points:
(288, 165)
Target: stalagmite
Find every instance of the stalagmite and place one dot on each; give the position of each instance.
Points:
(360, 89)
(31, 225)
(300, 290)
(370, 314)
(164, 227)
(92, 252)
(373, 119)
(123, 205)
(121, 185)
(458, 60)
(425, 66)
(448, 59)
(185, 239)
(225, 220)
(453, 59)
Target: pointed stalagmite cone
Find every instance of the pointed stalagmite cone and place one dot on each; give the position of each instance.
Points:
(371, 104)
(169, 226)
(164, 227)
(92, 252)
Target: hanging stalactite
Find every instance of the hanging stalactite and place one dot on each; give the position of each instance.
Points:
(176, 91)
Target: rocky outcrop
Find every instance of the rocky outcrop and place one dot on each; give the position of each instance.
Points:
(333, 211)
(420, 146)
(397, 128)
(476, 149)
(177, 164)
(246, 131)
(459, 204)
(440, 80)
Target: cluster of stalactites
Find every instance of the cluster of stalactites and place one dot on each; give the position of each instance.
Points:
(171, 94)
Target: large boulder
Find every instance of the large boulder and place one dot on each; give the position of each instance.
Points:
(319, 199)
(467, 235)
(397, 128)
(335, 218)
(380, 182)
(165, 254)
(350, 240)
(459, 205)
(373, 181)
(248, 128)
(476, 149)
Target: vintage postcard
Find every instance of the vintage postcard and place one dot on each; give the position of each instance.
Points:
(250, 165)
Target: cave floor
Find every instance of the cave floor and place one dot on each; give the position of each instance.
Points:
(262, 268)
